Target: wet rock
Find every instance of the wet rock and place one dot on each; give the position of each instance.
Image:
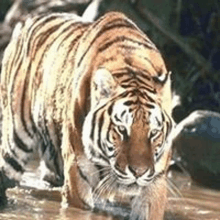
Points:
(197, 143)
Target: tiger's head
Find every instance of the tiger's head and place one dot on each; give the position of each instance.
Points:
(125, 134)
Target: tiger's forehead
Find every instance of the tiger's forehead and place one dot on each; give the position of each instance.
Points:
(128, 114)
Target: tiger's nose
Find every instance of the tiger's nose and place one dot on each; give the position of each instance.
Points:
(140, 171)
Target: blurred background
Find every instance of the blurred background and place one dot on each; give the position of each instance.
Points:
(187, 32)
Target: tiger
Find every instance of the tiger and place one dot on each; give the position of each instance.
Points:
(93, 99)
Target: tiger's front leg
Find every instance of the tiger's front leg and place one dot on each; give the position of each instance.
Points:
(157, 206)
(77, 191)
(150, 205)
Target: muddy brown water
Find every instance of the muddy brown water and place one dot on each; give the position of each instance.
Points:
(35, 200)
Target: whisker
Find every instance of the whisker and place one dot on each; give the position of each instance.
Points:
(186, 173)
(100, 187)
(103, 169)
(109, 188)
(173, 189)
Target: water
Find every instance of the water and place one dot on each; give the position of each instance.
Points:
(35, 200)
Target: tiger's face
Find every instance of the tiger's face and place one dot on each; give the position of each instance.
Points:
(126, 136)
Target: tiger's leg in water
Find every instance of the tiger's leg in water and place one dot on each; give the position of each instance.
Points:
(150, 204)
(77, 192)
(14, 154)
(158, 199)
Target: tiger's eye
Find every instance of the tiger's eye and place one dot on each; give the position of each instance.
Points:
(154, 132)
(110, 148)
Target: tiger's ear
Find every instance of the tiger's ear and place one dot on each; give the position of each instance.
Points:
(103, 85)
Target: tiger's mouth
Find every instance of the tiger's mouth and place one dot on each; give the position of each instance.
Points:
(134, 182)
(112, 188)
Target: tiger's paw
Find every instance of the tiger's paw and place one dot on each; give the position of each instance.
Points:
(53, 180)
(49, 176)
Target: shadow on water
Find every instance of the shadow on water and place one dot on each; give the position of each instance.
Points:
(35, 200)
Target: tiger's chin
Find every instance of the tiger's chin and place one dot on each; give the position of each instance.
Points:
(123, 199)
(120, 191)
(119, 194)
(133, 189)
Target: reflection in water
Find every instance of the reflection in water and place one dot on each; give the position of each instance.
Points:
(35, 200)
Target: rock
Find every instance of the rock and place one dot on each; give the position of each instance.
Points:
(197, 142)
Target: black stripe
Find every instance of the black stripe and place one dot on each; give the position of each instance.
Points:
(93, 126)
(163, 117)
(10, 147)
(94, 26)
(124, 94)
(10, 160)
(14, 80)
(127, 47)
(169, 122)
(168, 129)
(19, 50)
(128, 103)
(100, 124)
(23, 99)
(149, 89)
(126, 86)
(149, 98)
(140, 74)
(104, 158)
(12, 95)
(121, 39)
(110, 108)
(20, 144)
(123, 113)
(128, 80)
(142, 82)
(149, 105)
(108, 136)
(116, 118)
(76, 27)
(169, 125)
(121, 74)
(72, 44)
(108, 27)
(158, 122)
(93, 122)
(38, 27)
(45, 35)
